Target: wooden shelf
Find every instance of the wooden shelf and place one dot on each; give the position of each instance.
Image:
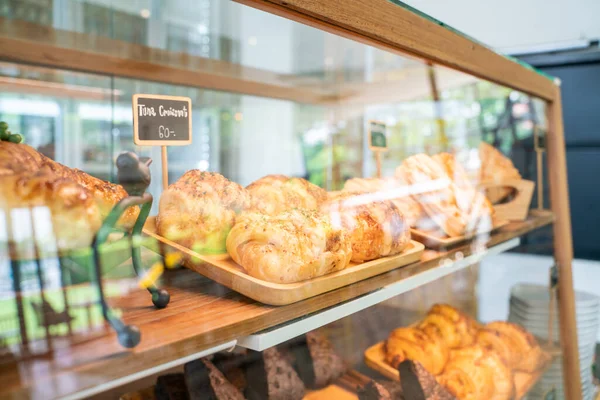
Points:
(37, 45)
(29, 43)
(203, 315)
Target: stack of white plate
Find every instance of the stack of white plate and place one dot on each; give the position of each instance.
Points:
(530, 308)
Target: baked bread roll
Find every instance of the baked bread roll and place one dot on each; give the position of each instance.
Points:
(53, 204)
(170, 387)
(199, 210)
(290, 247)
(474, 373)
(375, 228)
(468, 377)
(271, 377)
(496, 167)
(501, 344)
(456, 328)
(527, 355)
(16, 158)
(456, 209)
(392, 189)
(416, 345)
(204, 381)
(21, 158)
(376, 391)
(273, 194)
(316, 361)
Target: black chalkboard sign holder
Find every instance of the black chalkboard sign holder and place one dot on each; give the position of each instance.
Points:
(162, 121)
(376, 146)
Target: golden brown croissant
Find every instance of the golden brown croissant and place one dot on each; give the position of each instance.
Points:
(49, 205)
(532, 356)
(496, 167)
(290, 247)
(501, 344)
(375, 228)
(504, 386)
(199, 210)
(392, 189)
(273, 194)
(21, 158)
(417, 345)
(456, 328)
(475, 373)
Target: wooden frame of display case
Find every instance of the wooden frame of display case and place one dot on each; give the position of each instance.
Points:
(383, 24)
(378, 23)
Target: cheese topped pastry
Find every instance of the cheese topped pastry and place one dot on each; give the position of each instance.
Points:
(273, 194)
(289, 247)
(375, 228)
(199, 209)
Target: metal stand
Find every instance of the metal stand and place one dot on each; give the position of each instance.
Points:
(129, 336)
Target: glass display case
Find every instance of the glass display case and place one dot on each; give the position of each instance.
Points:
(332, 228)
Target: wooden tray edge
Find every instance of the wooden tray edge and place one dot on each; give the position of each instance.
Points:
(278, 294)
(436, 243)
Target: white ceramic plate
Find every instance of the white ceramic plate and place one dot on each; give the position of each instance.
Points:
(538, 294)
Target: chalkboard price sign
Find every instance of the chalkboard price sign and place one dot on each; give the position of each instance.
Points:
(162, 120)
(377, 136)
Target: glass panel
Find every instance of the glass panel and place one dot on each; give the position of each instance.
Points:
(293, 102)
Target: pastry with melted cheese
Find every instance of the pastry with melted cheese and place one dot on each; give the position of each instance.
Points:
(375, 228)
(199, 210)
(273, 194)
(289, 247)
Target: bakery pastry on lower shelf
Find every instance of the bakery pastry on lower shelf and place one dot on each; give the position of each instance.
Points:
(290, 247)
(416, 345)
(526, 354)
(477, 373)
(205, 382)
(54, 212)
(199, 210)
(431, 389)
(415, 382)
(374, 390)
(273, 194)
(481, 358)
(456, 328)
(271, 377)
(316, 361)
(170, 387)
(375, 228)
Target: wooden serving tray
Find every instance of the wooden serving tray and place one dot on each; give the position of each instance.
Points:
(226, 272)
(375, 359)
(439, 242)
(518, 208)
